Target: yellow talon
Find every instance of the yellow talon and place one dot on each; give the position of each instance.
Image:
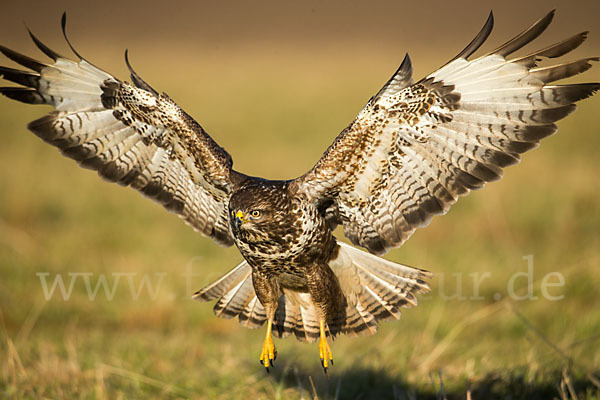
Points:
(269, 353)
(324, 350)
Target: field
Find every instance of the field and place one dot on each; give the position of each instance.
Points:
(142, 336)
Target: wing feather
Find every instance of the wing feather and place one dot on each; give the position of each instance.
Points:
(409, 154)
(130, 134)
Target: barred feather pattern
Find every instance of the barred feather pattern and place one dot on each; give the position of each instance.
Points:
(375, 290)
(130, 135)
(415, 148)
(236, 297)
(408, 155)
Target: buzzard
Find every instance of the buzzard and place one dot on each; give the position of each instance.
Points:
(407, 156)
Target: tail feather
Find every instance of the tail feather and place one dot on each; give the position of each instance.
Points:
(236, 297)
(386, 294)
(286, 317)
(296, 315)
(253, 315)
(361, 323)
(307, 324)
(375, 290)
(388, 311)
(386, 270)
(236, 301)
(224, 284)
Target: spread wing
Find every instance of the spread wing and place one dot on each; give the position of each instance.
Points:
(415, 148)
(129, 133)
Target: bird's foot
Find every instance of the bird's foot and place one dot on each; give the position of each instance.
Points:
(325, 353)
(269, 353)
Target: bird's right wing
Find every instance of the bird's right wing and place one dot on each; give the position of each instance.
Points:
(416, 147)
(130, 134)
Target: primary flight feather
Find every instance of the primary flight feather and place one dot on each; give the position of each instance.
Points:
(408, 155)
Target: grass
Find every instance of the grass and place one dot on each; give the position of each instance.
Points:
(57, 219)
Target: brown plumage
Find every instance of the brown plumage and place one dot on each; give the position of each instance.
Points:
(408, 155)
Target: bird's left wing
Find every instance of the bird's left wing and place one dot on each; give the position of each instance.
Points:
(415, 148)
(130, 134)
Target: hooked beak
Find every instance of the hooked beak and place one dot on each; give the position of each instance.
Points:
(239, 219)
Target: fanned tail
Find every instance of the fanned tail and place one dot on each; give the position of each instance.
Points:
(236, 298)
(375, 290)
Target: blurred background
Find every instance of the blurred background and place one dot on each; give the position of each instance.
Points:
(274, 82)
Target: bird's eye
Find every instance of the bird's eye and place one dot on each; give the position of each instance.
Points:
(255, 214)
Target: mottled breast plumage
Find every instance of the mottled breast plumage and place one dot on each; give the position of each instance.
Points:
(275, 230)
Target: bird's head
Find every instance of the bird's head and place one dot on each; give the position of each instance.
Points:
(259, 212)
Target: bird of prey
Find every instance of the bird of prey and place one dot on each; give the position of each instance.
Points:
(407, 156)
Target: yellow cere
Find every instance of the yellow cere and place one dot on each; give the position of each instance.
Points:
(240, 215)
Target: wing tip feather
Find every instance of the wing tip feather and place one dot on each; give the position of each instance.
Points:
(479, 39)
(43, 48)
(63, 25)
(525, 37)
(137, 80)
(22, 94)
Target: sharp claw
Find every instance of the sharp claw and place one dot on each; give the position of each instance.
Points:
(269, 353)
(324, 350)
